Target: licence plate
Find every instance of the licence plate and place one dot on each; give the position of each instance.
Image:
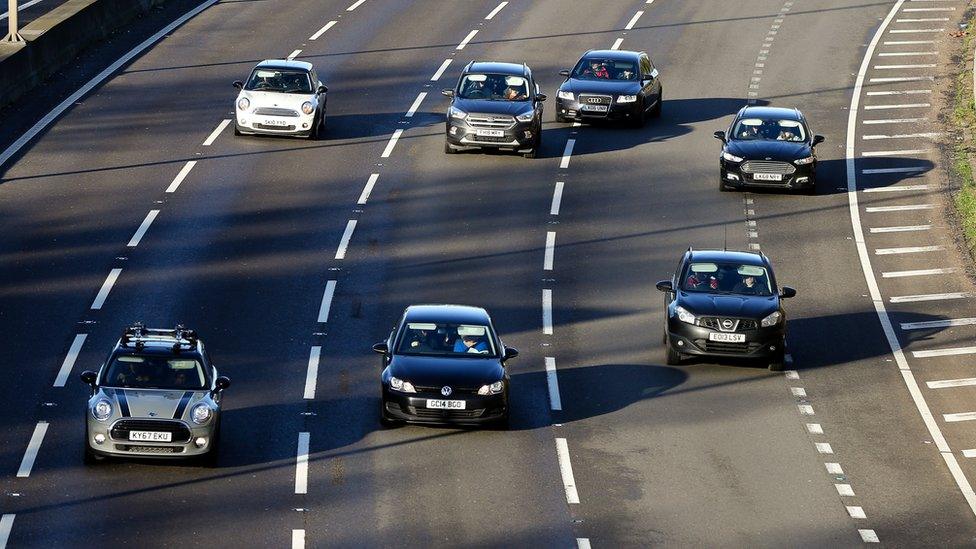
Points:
(727, 338)
(445, 404)
(767, 176)
(490, 133)
(595, 108)
(269, 122)
(150, 436)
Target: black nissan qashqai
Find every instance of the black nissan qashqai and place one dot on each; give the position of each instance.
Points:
(610, 85)
(495, 105)
(725, 304)
(444, 364)
(768, 147)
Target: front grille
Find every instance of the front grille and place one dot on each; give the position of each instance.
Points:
(269, 127)
(491, 121)
(488, 139)
(728, 348)
(437, 390)
(427, 413)
(739, 325)
(149, 449)
(589, 99)
(764, 166)
(120, 431)
(272, 111)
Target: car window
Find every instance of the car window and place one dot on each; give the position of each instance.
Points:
(279, 80)
(595, 68)
(155, 372)
(646, 66)
(447, 339)
(493, 87)
(769, 129)
(731, 278)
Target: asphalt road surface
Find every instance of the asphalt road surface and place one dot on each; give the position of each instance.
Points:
(608, 446)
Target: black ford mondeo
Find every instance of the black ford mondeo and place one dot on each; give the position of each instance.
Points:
(725, 304)
(610, 85)
(444, 364)
(768, 147)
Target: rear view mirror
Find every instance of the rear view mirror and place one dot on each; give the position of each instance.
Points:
(818, 139)
(323, 88)
(786, 292)
(89, 377)
(222, 383)
(381, 348)
(510, 353)
(447, 93)
(564, 72)
(664, 286)
(238, 84)
(720, 135)
(540, 97)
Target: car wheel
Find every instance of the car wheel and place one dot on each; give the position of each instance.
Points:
(211, 458)
(91, 458)
(561, 119)
(639, 120)
(656, 111)
(237, 130)
(673, 357)
(504, 423)
(811, 190)
(777, 362)
(313, 133)
(385, 420)
(534, 153)
(448, 149)
(722, 186)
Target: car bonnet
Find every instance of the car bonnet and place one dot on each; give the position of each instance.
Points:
(436, 371)
(155, 403)
(293, 101)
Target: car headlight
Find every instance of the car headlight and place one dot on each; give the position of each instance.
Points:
(568, 96)
(243, 103)
(526, 117)
(771, 320)
(102, 409)
(398, 384)
(457, 113)
(684, 315)
(803, 161)
(201, 413)
(492, 389)
(626, 99)
(731, 157)
(307, 107)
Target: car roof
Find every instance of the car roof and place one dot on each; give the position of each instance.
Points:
(497, 67)
(744, 258)
(157, 348)
(461, 314)
(612, 54)
(285, 64)
(771, 112)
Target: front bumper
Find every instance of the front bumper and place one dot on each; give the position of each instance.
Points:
(803, 177)
(250, 123)
(760, 342)
(520, 136)
(115, 444)
(413, 408)
(573, 110)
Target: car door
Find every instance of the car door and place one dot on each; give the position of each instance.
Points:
(651, 88)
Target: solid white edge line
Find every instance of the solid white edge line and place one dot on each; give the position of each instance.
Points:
(557, 198)
(495, 11)
(567, 153)
(33, 447)
(865, 259)
(143, 227)
(633, 20)
(617, 43)
(566, 469)
(392, 143)
(327, 296)
(318, 34)
(298, 539)
(184, 171)
(216, 133)
(466, 39)
(312, 373)
(555, 402)
(69, 360)
(440, 70)
(416, 105)
(550, 251)
(6, 525)
(103, 292)
(368, 189)
(301, 464)
(344, 241)
(584, 543)
(547, 311)
(355, 5)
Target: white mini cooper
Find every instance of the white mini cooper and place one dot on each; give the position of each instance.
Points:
(281, 97)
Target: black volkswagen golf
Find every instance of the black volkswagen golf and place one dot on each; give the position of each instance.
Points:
(495, 105)
(610, 85)
(444, 364)
(725, 304)
(768, 147)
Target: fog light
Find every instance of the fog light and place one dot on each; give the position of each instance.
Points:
(305, 125)
(243, 121)
(99, 438)
(453, 130)
(772, 347)
(681, 343)
(732, 177)
(528, 134)
(802, 179)
(200, 442)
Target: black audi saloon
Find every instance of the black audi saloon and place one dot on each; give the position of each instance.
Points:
(768, 147)
(495, 105)
(610, 85)
(444, 364)
(725, 304)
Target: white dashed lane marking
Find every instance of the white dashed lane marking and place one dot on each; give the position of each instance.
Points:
(555, 402)
(344, 241)
(69, 360)
(901, 229)
(815, 429)
(834, 468)
(368, 189)
(312, 374)
(953, 351)
(318, 34)
(392, 143)
(143, 227)
(495, 11)
(301, 464)
(566, 469)
(33, 447)
(416, 105)
(617, 43)
(355, 5)
(844, 490)
(908, 250)
(6, 525)
(326, 305)
(294, 54)
(824, 447)
(185, 171)
(440, 70)
(868, 535)
(917, 272)
(930, 297)
(855, 512)
(298, 539)
(103, 292)
(567, 153)
(633, 20)
(929, 324)
(550, 251)
(547, 311)
(584, 543)
(951, 383)
(557, 198)
(466, 39)
(216, 133)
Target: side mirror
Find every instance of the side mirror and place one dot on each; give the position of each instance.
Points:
(564, 72)
(238, 84)
(540, 97)
(447, 93)
(222, 383)
(720, 135)
(381, 348)
(664, 286)
(510, 353)
(786, 292)
(323, 88)
(818, 139)
(89, 377)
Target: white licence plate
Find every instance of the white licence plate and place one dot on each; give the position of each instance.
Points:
(595, 108)
(445, 404)
(150, 436)
(270, 122)
(767, 176)
(489, 133)
(727, 338)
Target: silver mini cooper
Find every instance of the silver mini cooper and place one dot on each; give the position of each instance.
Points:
(157, 396)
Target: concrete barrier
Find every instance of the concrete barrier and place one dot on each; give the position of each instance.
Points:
(57, 37)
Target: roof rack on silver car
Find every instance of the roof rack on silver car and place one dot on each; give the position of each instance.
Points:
(137, 335)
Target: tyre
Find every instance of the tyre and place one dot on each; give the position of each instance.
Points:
(91, 458)
(639, 120)
(385, 420)
(211, 458)
(448, 149)
(534, 153)
(237, 130)
(777, 362)
(313, 134)
(561, 119)
(722, 186)
(673, 357)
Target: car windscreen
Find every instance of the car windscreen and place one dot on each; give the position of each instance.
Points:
(605, 69)
(769, 129)
(493, 87)
(279, 80)
(155, 372)
(729, 278)
(447, 339)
